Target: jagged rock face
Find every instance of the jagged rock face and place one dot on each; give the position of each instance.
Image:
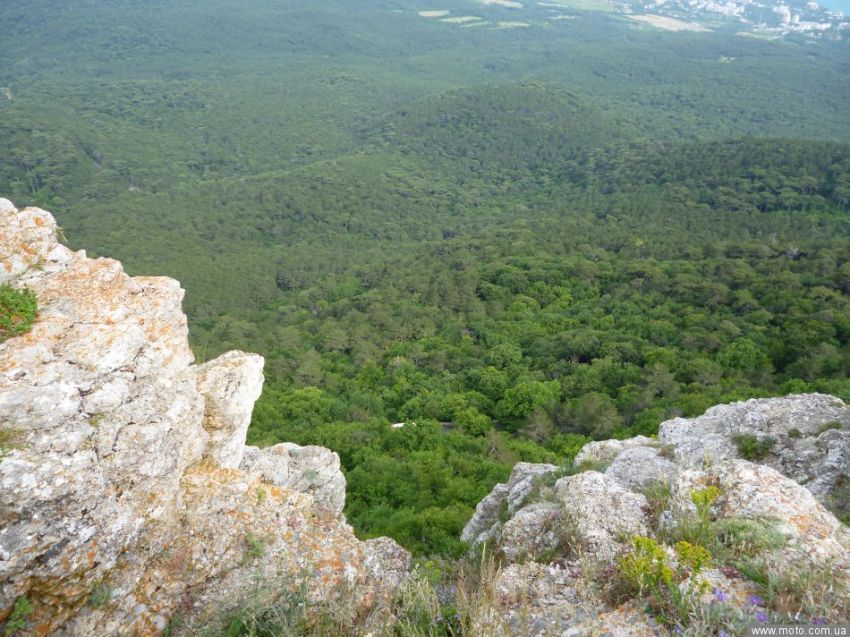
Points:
(504, 499)
(309, 469)
(230, 389)
(120, 471)
(812, 447)
(811, 434)
(538, 600)
(603, 452)
(754, 491)
(806, 468)
(605, 513)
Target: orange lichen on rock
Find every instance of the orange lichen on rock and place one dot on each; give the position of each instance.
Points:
(130, 474)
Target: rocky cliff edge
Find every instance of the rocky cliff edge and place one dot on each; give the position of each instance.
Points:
(723, 521)
(127, 495)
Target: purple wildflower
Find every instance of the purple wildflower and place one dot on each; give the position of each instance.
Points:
(761, 616)
(722, 633)
(819, 621)
(755, 600)
(720, 596)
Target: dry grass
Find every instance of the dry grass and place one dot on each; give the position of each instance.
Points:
(421, 608)
(466, 599)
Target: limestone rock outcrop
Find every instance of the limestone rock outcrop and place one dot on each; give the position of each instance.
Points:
(807, 436)
(604, 513)
(754, 491)
(309, 469)
(127, 495)
(503, 501)
(551, 600)
(564, 520)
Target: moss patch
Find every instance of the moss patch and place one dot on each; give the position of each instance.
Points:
(18, 309)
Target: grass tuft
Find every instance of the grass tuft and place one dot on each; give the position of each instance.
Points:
(751, 447)
(18, 309)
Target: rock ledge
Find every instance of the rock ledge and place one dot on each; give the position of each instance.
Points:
(128, 495)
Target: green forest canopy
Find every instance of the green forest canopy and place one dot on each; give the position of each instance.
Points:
(518, 241)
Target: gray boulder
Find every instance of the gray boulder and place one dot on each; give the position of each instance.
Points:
(503, 500)
(120, 463)
(605, 514)
(638, 467)
(810, 436)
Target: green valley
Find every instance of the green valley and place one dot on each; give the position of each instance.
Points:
(513, 240)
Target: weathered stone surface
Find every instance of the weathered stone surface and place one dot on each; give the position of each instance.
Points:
(532, 531)
(593, 508)
(637, 467)
(601, 453)
(272, 463)
(806, 449)
(119, 472)
(503, 499)
(386, 564)
(537, 600)
(749, 490)
(316, 470)
(603, 512)
(310, 469)
(230, 385)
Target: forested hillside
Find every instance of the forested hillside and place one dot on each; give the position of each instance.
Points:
(513, 240)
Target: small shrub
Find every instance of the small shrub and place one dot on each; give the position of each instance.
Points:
(504, 511)
(692, 556)
(18, 310)
(420, 607)
(173, 627)
(287, 616)
(256, 547)
(829, 426)
(549, 479)
(795, 433)
(751, 447)
(481, 603)
(419, 610)
(568, 542)
(808, 593)
(592, 465)
(667, 451)
(839, 500)
(704, 499)
(793, 594)
(18, 619)
(645, 569)
(745, 537)
(672, 595)
(9, 439)
(657, 494)
(697, 528)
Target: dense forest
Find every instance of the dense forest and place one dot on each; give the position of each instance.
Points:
(512, 241)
